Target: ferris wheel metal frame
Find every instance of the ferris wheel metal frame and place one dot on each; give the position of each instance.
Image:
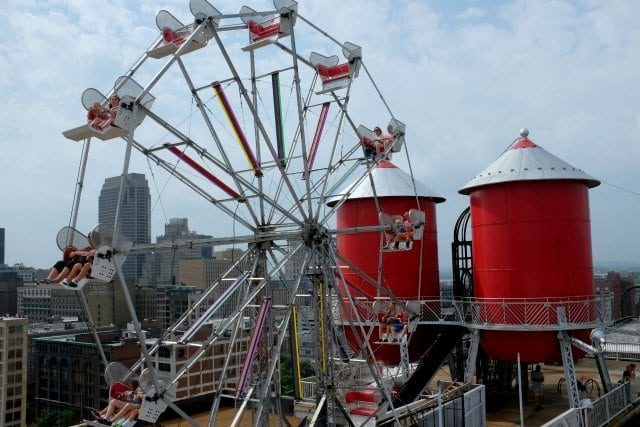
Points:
(301, 221)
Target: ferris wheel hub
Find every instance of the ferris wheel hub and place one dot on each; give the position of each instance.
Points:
(314, 234)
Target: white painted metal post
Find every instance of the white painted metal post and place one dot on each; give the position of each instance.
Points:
(520, 392)
(440, 415)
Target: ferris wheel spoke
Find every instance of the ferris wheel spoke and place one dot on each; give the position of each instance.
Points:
(228, 321)
(362, 336)
(294, 142)
(325, 181)
(275, 350)
(189, 183)
(170, 62)
(330, 171)
(303, 141)
(256, 134)
(216, 139)
(379, 286)
(263, 132)
(205, 154)
(367, 174)
(192, 310)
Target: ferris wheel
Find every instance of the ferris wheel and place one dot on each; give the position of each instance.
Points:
(283, 155)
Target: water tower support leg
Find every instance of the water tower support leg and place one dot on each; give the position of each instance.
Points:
(470, 368)
(569, 369)
(603, 371)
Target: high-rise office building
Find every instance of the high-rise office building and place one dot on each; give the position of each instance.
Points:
(1, 246)
(135, 216)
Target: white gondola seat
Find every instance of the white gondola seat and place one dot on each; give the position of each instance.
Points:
(362, 405)
(152, 406)
(106, 261)
(202, 10)
(404, 229)
(367, 137)
(127, 90)
(90, 98)
(266, 28)
(175, 33)
(397, 129)
(336, 76)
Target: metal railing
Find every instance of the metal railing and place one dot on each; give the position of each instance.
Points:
(609, 406)
(570, 418)
(581, 312)
(602, 410)
(622, 351)
(308, 388)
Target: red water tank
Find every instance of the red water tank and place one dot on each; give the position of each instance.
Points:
(407, 274)
(531, 242)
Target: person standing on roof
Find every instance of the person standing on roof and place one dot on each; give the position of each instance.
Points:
(629, 373)
(537, 383)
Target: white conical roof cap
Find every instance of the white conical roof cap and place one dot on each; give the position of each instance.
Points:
(389, 181)
(526, 161)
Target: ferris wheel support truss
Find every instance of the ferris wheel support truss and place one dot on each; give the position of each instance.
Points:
(72, 223)
(170, 332)
(117, 223)
(362, 337)
(299, 221)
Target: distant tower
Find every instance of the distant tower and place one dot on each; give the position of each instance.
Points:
(1, 246)
(136, 216)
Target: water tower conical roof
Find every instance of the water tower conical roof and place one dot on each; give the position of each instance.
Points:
(388, 181)
(526, 161)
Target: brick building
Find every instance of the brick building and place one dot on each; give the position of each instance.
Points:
(616, 284)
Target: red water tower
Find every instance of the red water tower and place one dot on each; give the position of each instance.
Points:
(531, 236)
(407, 274)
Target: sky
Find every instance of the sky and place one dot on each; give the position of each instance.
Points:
(465, 77)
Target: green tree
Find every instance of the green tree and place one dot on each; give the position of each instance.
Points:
(67, 418)
(306, 369)
(47, 419)
(286, 377)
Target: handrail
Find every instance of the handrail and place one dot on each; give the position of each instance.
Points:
(602, 410)
(518, 314)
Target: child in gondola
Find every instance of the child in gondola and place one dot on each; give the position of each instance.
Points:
(112, 111)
